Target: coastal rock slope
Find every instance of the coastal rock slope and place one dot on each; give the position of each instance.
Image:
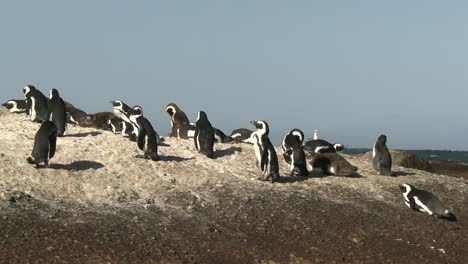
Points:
(97, 202)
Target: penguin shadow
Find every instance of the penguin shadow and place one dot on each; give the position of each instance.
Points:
(174, 158)
(401, 173)
(319, 174)
(292, 179)
(80, 165)
(84, 134)
(226, 152)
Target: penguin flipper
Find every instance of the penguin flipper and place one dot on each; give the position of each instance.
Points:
(141, 138)
(412, 203)
(264, 160)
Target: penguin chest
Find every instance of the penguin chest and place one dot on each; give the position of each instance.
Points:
(33, 109)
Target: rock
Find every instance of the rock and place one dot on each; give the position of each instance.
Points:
(407, 160)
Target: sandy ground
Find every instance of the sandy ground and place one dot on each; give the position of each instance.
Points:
(98, 203)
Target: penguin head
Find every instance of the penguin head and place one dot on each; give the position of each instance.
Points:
(53, 93)
(406, 188)
(298, 133)
(202, 116)
(117, 104)
(382, 139)
(9, 104)
(136, 111)
(262, 127)
(28, 88)
(171, 109)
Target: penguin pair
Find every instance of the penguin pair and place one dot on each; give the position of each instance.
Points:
(381, 158)
(45, 142)
(265, 152)
(147, 139)
(293, 152)
(15, 106)
(425, 201)
(122, 113)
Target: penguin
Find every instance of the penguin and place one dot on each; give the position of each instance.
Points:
(76, 116)
(204, 135)
(121, 110)
(381, 158)
(269, 160)
(425, 201)
(220, 137)
(240, 135)
(36, 103)
(180, 124)
(16, 106)
(127, 131)
(322, 146)
(288, 139)
(44, 144)
(330, 163)
(191, 130)
(116, 125)
(57, 112)
(98, 120)
(294, 154)
(147, 136)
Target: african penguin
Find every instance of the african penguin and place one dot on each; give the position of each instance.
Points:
(288, 140)
(220, 137)
(121, 110)
(57, 112)
(75, 116)
(381, 158)
(98, 120)
(147, 136)
(36, 102)
(127, 131)
(294, 154)
(425, 201)
(322, 146)
(330, 164)
(44, 144)
(241, 135)
(15, 106)
(116, 125)
(179, 122)
(204, 135)
(269, 160)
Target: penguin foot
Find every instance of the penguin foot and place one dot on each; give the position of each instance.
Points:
(31, 160)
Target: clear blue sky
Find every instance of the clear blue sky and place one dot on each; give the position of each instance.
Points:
(351, 69)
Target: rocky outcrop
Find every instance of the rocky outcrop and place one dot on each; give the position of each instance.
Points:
(407, 160)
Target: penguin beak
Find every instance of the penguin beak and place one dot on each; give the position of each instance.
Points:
(4, 104)
(256, 124)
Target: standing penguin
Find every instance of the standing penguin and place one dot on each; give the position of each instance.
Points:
(425, 201)
(294, 154)
(36, 103)
(179, 121)
(294, 134)
(381, 158)
(57, 112)
(204, 135)
(269, 160)
(15, 106)
(147, 136)
(44, 144)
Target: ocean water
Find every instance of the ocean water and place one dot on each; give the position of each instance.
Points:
(449, 155)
